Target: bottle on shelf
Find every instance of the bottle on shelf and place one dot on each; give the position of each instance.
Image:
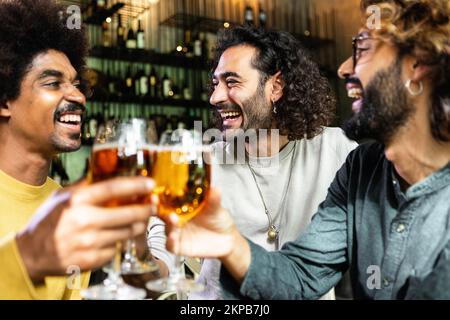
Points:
(143, 83)
(249, 17)
(188, 47)
(106, 34)
(140, 36)
(129, 83)
(198, 46)
(166, 86)
(131, 36)
(262, 18)
(153, 82)
(120, 33)
(187, 93)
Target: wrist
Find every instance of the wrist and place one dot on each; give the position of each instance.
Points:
(238, 260)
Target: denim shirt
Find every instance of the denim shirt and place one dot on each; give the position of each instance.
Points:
(388, 239)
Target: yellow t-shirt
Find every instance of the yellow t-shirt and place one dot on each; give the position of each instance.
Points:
(18, 203)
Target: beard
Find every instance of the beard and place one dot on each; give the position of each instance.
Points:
(385, 108)
(256, 113)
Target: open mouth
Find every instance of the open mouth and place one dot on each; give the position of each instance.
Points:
(231, 118)
(356, 92)
(71, 119)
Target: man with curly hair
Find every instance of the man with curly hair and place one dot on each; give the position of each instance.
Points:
(386, 216)
(41, 109)
(265, 80)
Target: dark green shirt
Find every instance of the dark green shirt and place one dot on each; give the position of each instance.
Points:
(388, 238)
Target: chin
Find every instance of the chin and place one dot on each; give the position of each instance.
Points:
(67, 146)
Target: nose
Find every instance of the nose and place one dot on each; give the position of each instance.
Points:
(346, 69)
(219, 95)
(75, 95)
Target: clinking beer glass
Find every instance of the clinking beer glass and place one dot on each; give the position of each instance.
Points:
(121, 149)
(182, 175)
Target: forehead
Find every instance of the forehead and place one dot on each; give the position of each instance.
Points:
(236, 59)
(52, 60)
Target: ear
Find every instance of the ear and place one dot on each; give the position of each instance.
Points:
(277, 87)
(4, 109)
(420, 72)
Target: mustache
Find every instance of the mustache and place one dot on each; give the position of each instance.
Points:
(227, 107)
(353, 80)
(70, 107)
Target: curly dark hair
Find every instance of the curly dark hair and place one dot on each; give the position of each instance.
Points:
(31, 27)
(422, 28)
(308, 104)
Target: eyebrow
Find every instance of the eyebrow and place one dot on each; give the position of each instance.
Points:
(54, 73)
(227, 74)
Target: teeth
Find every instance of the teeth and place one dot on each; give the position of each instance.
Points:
(355, 93)
(70, 118)
(230, 114)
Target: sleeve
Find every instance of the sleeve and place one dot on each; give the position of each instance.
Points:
(15, 284)
(157, 242)
(308, 267)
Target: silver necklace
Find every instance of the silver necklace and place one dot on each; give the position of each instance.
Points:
(273, 233)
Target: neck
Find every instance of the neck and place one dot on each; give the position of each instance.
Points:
(414, 152)
(267, 145)
(22, 164)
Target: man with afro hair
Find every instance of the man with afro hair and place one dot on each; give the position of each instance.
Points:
(42, 105)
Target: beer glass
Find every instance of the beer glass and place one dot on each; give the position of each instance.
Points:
(182, 175)
(121, 149)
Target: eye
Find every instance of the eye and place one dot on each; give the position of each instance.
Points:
(231, 82)
(360, 52)
(54, 84)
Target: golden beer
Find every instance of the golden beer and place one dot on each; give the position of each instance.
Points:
(109, 161)
(182, 181)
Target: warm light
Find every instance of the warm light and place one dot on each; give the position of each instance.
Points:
(108, 19)
(226, 25)
(307, 33)
(179, 48)
(153, 1)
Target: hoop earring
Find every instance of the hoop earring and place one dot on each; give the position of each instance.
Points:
(274, 107)
(410, 90)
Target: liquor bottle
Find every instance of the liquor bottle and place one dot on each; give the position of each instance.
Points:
(106, 34)
(198, 46)
(153, 84)
(249, 16)
(129, 83)
(131, 37)
(120, 33)
(187, 93)
(111, 81)
(140, 36)
(143, 83)
(166, 86)
(262, 19)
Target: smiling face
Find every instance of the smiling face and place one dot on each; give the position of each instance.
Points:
(47, 115)
(381, 105)
(238, 96)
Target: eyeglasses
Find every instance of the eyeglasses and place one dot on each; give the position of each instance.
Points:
(356, 53)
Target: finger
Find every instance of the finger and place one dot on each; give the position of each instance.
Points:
(95, 258)
(109, 237)
(107, 190)
(107, 218)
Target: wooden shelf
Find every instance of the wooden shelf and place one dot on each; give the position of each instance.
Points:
(195, 104)
(149, 56)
